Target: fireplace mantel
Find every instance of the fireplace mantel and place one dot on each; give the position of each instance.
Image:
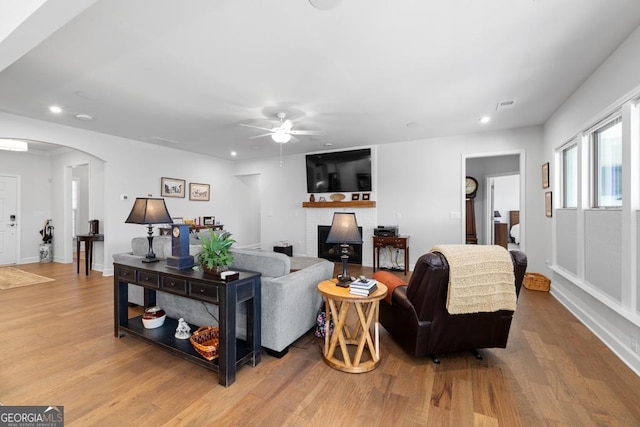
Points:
(345, 204)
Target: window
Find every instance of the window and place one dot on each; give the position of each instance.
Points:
(570, 176)
(607, 164)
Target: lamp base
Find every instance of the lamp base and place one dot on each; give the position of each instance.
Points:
(149, 260)
(344, 281)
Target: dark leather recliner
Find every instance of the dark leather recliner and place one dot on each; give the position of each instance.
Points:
(418, 319)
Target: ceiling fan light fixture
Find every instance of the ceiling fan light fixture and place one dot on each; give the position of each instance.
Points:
(281, 137)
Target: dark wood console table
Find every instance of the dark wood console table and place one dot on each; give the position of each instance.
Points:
(88, 240)
(397, 242)
(157, 277)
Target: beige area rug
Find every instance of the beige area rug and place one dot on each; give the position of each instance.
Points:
(15, 278)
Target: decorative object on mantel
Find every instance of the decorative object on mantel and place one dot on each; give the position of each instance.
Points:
(365, 196)
(149, 211)
(355, 196)
(337, 197)
(322, 199)
(215, 256)
(172, 187)
(312, 198)
(183, 331)
(205, 341)
(344, 230)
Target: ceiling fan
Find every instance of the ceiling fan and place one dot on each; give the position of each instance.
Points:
(284, 132)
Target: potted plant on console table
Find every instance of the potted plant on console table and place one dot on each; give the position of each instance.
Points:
(215, 256)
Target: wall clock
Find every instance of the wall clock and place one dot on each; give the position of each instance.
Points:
(470, 187)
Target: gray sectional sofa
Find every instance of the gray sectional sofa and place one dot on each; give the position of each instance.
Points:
(290, 297)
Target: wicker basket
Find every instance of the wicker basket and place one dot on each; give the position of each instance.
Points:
(536, 282)
(205, 340)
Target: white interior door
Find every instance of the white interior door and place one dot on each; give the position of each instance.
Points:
(8, 220)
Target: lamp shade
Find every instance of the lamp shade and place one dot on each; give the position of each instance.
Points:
(149, 211)
(496, 214)
(344, 229)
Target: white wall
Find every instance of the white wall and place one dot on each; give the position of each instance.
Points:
(610, 310)
(416, 185)
(35, 199)
(121, 166)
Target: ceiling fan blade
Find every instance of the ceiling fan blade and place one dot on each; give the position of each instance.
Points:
(255, 127)
(306, 132)
(260, 136)
(287, 124)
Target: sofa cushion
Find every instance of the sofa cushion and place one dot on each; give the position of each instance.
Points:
(269, 264)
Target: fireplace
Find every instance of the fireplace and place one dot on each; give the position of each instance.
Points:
(332, 251)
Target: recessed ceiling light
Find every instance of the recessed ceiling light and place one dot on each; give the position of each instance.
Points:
(328, 144)
(485, 119)
(13, 145)
(84, 117)
(233, 153)
(55, 109)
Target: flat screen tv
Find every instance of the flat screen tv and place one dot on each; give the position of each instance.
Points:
(340, 171)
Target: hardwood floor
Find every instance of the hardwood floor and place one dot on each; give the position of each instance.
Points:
(58, 348)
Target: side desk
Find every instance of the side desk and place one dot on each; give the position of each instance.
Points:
(397, 242)
(196, 285)
(88, 240)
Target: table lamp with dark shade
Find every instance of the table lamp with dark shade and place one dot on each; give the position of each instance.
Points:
(344, 230)
(149, 211)
(496, 216)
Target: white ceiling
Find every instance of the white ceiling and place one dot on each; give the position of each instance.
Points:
(191, 71)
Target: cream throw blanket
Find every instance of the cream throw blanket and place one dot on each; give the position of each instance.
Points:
(481, 278)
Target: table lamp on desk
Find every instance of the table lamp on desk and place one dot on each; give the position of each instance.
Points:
(149, 211)
(344, 230)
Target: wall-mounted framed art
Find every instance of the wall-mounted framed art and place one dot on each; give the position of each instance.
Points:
(172, 187)
(365, 196)
(199, 192)
(355, 196)
(548, 204)
(545, 175)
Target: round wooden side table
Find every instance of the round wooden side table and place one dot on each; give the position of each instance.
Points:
(338, 300)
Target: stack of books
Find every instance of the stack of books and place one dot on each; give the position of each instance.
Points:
(363, 287)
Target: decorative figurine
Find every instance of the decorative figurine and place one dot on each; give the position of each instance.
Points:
(183, 331)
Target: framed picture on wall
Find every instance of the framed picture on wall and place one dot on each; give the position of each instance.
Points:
(355, 196)
(545, 175)
(548, 204)
(172, 187)
(365, 196)
(199, 192)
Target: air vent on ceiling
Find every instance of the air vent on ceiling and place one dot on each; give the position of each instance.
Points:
(505, 105)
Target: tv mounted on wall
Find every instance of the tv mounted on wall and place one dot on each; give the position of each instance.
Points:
(339, 171)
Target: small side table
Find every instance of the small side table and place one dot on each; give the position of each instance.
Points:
(397, 242)
(287, 250)
(88, 240)
(338, 301)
